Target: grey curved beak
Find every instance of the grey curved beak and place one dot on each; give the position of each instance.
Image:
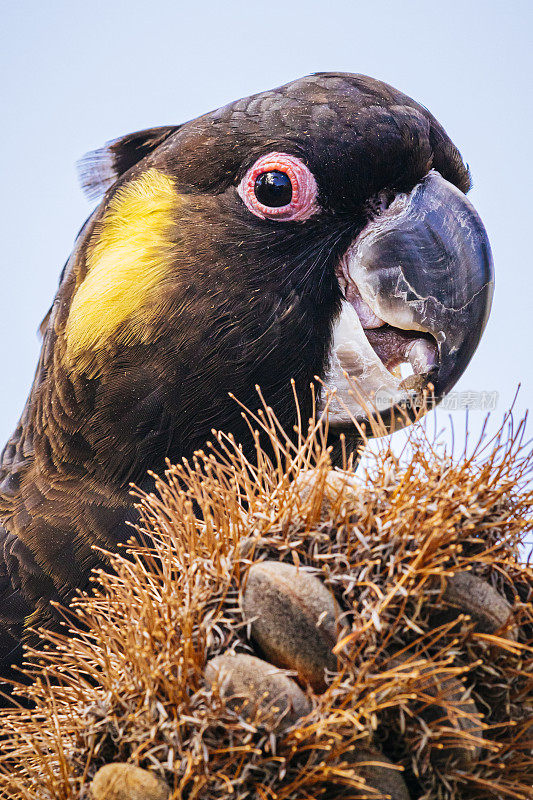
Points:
(425, 264)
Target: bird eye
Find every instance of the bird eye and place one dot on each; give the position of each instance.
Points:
(273, 189)
(280, 187)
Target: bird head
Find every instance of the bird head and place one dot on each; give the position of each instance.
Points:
(320, 229)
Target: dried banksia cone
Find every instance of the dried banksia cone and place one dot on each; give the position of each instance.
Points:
(284, 630)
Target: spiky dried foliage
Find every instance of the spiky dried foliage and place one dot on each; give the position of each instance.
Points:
(127, 683)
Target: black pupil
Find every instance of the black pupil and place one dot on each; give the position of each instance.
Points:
(273, 189)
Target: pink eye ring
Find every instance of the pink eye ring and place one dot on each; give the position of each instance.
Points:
(279, 187)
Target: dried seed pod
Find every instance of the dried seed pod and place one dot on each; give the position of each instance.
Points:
(122, 781)
(379, 773)
(451, 714)
(257, 689)
(293, 619)
(474, 596)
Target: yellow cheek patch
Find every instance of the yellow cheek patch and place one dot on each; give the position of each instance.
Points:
(128, 259)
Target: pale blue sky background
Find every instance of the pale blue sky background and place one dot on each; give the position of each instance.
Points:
(75, 75)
